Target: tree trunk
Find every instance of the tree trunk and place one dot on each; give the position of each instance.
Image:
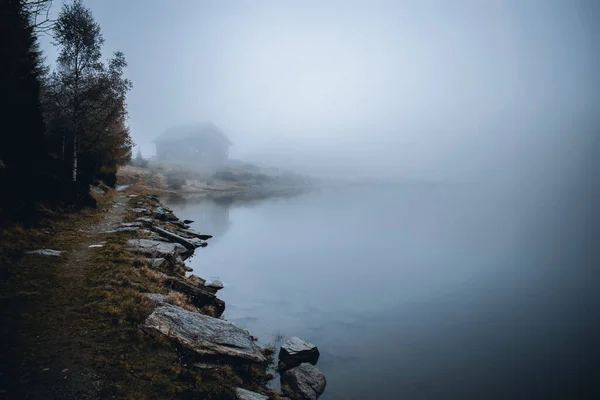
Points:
(75, 158)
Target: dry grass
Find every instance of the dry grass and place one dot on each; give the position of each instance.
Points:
(91, 310)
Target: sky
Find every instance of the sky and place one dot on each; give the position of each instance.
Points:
(432, 89)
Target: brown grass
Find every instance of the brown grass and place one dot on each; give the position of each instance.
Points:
(91, 310)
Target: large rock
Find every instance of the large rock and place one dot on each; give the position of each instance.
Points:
(156, 248)
(297, 351)
(198, 296)
(203, 334)
(243, 394)
(174, 237)
(304, 382)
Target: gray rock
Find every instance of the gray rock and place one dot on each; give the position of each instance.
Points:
(243, 394)
(131, 224)
(155, 248)
(304, 382)
(139, 210)
(146, 220)
(156, 262)
(197, 296)
(173, 237)
(297, 351)
(203, 334)
(193, 233)
(157, 297)
(121, 188)
(124, 229)
(203, 365)
(46, 252)
(217, 284)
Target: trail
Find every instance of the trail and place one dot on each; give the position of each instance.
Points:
(55, 355)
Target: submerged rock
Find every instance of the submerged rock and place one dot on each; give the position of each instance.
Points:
(243, 394)
(297, 351)
(203, 334)
(304, 382)
(198, 296)
(46, 252)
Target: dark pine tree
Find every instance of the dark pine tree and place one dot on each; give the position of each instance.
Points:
(22, 150)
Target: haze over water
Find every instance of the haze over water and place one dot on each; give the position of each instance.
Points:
(422, 291)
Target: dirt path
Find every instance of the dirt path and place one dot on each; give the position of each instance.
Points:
(54, 327)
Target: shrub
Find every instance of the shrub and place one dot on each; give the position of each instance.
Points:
(175, 180)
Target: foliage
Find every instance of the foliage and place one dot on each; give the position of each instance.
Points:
(85, 99)
(139, 161)
(22, 151)
(175, 179)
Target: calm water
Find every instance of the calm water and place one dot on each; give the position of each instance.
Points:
(417, 292)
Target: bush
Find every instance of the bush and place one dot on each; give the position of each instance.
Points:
(175, 180)
(224, 176)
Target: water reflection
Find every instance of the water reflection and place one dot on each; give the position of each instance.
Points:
(210, 217)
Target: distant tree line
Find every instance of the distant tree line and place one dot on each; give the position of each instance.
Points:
(64, 129)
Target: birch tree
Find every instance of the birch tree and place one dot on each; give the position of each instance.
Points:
(79, 67)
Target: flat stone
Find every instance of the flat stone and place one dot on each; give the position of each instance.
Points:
(92, 246)
(156, 262)
(203, 334)
(124, 229)
(157, 297)
(46, 252)
(130, 224)
(297, 351)
(193, 233)
(304, 382)
(243, 394)
(156, 248)
(173, 237)
(121, 188)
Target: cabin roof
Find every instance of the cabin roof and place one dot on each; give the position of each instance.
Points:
(189, 131)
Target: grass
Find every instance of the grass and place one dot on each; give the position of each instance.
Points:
(86, 307)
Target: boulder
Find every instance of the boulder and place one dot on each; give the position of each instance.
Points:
(198, 296)
(202, 334)
(304, 382)
(297, 351)
(243, 394)
(155, 248)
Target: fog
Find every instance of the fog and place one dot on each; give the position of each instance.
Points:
(391, 89)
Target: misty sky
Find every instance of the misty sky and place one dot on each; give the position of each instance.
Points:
(388, 88)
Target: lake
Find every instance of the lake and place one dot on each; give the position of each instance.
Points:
(416, 291)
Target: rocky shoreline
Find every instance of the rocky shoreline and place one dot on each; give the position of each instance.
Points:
(205, 339)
